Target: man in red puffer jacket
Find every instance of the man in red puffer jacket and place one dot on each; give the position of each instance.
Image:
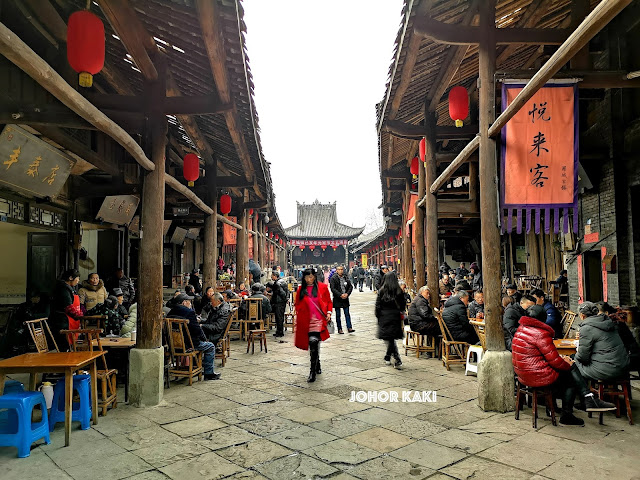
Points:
(537, 363)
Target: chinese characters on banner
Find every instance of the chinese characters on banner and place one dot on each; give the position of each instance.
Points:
(229, 233)
(250, 238)
(31, 166)
(540, 158)
(318, 243)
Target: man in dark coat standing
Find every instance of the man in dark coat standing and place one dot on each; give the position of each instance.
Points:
(278, 303)
(379, 277)
(455, 317)
(341, 288)
(255, 270)
(194, 279)
(421, 317)
(124, 283)
(361, 275)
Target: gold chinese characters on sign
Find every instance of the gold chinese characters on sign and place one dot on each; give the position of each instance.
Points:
(118, 209)
(30, 165)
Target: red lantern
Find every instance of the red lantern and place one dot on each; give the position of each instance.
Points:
(250, 211)
(85, 45)
(458, 104)
(191, 168)
(423, 150)
(270, 234)
(301, 247)
(277, 238)
(324, 247)
(415, 167)
(225, 204)
(335, 248)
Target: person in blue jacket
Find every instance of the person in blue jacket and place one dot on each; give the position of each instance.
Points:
(554, 317)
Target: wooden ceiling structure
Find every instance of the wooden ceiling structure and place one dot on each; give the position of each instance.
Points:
(209, 92)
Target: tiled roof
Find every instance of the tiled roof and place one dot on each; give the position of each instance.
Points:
(319, 220)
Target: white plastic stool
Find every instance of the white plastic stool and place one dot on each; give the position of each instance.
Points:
(478, 351)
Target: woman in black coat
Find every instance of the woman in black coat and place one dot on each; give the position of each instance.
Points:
(390, 305)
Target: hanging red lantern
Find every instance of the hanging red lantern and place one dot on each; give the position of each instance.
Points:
(324, 247)
(225, 204)
(301, 247)
(312, 248)
(335, 248)
(191, 168)
(415, 167)
(270, 234)
(85, 45)
(423, 150)
(458, 104)
(250, 211)
(277, 238)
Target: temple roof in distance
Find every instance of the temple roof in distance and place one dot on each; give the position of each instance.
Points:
(320, 220)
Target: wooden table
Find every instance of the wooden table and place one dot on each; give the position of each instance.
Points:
(566, 346)
(121, 343)
(56, 362)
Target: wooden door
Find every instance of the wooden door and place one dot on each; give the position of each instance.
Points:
(43, 261)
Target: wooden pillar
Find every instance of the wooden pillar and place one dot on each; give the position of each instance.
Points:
(419, 227)
(490, 233)
(473, 180)
(242, 248)
(533, 254)
(211, 226)
(430, 174)
(152, 219)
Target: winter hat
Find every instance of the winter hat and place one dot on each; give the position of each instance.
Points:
(111, 302)
(537, 312)
(117, 292)
(475, 266)
(256, 287)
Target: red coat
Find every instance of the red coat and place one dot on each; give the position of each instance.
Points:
(303, 316)
(535, 358)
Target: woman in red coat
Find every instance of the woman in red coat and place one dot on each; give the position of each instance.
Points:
(313, 311)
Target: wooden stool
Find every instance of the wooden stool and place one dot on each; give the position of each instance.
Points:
(615, 389)
(260, 334)
(533, 392)
(416, 342)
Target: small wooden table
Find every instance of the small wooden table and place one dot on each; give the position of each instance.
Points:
(120, 343)
(566, 346)
(56, 362)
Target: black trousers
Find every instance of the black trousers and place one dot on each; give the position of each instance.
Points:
(392, 350)
(569, 384)
(314, 349)
(278, 311)
(360, 283)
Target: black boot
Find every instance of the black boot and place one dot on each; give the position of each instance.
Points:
(318, 369)
(314, 353)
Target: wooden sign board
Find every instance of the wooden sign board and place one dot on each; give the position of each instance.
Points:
(30, 166)
(118, 209)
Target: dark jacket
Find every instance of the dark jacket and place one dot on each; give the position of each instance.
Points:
(445, 288)
(463, 284)
(421, 317)
(630, 344)
(278, 295)
(361, 273)
(511, 321)
(197, 335)
(194, 280)
(563, 283)
(125, 284)
(389, 315)
(216, 322)
(377, 283)
(336, 291)
(61, 305)
(535, 358)
(476, 283)
(475, 308)
(455, 317)
(462, 271)
(517, 297)
(601, 354)
(554, 318)
(255, 270)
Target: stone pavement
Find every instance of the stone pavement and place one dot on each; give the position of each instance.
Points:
(263, 420)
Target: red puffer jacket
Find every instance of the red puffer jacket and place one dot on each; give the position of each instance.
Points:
(535, 358)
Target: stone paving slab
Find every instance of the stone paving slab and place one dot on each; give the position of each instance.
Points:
(270, 423)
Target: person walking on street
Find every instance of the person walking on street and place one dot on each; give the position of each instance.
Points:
(278, 303)
(380, 277)
(390, 306)
(313, 310)
(361, 275)
(341, 289)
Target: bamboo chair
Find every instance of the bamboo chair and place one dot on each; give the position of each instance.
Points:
(567, 322)
(479, 327)
(106, 375)
(417, 342)
(183, 351)
(453, 352)
(236, 328)
(38, 329)
(254, 314)
(223, 348)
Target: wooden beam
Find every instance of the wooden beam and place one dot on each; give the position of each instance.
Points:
(587, 79)
(78, 148)
(601, 15)
(396, 176)
(127, 25)
(193, 105)
(19, 53)
(456, 34)
(453, 60)
(257, 204)
(233, 181)
(462, 157)
(534, 12)
(416, 132)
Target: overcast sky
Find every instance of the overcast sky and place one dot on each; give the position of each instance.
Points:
(319, 69)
